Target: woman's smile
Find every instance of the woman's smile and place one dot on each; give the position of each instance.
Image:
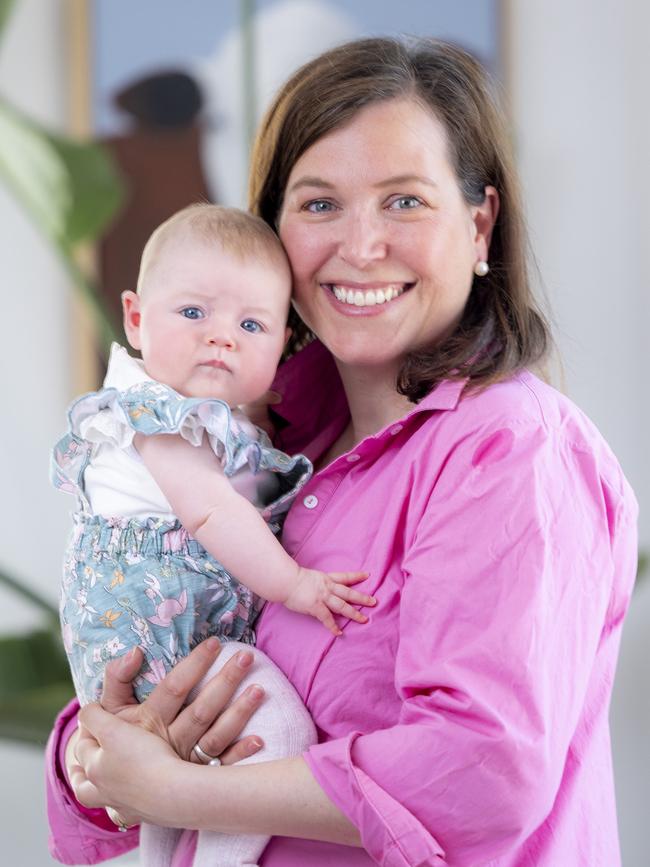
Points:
(365, 298)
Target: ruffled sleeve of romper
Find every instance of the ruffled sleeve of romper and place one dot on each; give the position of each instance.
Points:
(139, 404)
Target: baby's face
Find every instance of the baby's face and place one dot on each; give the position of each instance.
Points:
(208, 323)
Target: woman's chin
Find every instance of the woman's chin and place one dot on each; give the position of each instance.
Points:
(362, 352)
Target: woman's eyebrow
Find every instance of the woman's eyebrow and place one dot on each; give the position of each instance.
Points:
(406, 179)
(311, 181)
(321, 183)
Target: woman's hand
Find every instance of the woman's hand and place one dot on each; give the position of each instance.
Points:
(204, 718)
(178, 726)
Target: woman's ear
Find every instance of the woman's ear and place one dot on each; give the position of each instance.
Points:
(287, 335)
(132, 317)
(484, 217)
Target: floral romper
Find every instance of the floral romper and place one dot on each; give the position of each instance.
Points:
(145, 581)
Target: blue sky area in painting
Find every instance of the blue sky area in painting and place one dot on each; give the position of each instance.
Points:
(132, 38)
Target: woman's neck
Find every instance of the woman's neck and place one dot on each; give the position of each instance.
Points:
(373, 401)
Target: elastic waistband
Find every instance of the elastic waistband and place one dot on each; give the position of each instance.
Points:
(148, 536)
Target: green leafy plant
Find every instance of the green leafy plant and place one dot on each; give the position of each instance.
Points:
(34, 675)
(71, 191)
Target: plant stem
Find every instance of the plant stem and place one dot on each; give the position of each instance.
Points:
(21, 589)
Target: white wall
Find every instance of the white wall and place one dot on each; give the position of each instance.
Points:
(579, 72)
(579, 76)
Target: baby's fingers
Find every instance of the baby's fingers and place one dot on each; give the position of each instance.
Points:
(325, 616)
(348, 577)
(353, 596)
(335, 603)
(340, 606)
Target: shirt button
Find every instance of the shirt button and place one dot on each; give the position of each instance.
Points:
(351, 459)
(310, 502)
(396, 429)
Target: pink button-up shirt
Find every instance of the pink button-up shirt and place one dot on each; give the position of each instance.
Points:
(466, 723)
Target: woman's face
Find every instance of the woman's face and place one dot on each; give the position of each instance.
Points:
(381, 241)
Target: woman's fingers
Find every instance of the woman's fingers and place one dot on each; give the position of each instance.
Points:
(206, 721)
(241, 750)
(171, 693)
(87, 752)
(119, 764)
(118, 681)
(219, 740)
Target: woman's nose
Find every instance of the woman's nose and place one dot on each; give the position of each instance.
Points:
(364, 240)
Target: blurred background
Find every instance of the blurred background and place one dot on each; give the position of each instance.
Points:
(113, 114)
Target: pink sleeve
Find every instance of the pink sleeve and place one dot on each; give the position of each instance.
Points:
(78, 835)
(509, 587)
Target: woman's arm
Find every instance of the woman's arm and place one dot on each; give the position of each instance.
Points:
(233, 531)
(163, 789)
(84, 836)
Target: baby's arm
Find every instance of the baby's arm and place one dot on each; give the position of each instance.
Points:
(231, 529)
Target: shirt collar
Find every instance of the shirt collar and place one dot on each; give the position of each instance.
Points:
(312, 393)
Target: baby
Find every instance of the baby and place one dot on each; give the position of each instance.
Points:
(176, 487)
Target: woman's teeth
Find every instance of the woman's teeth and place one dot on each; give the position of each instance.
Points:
(368, 298)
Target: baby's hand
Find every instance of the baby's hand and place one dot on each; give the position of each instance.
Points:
(320, 594)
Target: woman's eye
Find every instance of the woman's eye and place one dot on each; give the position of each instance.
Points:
(319, 206)
(405, 203)
(192, 313)
(252, 326)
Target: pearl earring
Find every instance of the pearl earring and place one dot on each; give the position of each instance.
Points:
(481, 268)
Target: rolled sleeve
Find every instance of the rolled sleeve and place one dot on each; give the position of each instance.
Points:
(390, 833)
(78, 835)
(508, 581)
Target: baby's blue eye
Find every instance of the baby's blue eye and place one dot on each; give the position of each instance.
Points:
(192, 313)
(252, 326)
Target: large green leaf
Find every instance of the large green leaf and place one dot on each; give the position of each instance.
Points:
(35, 679)
(6, 7)
(34, 684)
(31, 661)
(70, 188)
(29, 716)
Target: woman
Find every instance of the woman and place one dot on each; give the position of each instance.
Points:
(466, 723)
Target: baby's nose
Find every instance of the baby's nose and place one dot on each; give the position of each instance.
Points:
(222, 339)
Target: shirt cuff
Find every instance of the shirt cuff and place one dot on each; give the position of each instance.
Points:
(78, 834)
(390, 834)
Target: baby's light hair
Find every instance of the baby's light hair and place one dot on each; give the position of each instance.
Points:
(237, 232)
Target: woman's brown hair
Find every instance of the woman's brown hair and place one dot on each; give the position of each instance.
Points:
(502, 329)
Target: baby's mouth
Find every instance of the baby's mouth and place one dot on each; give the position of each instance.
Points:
(368, 297)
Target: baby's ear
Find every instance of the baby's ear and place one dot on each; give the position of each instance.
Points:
(132, 316)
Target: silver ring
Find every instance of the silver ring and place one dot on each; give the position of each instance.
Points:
(116, 819)
(204, 758)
